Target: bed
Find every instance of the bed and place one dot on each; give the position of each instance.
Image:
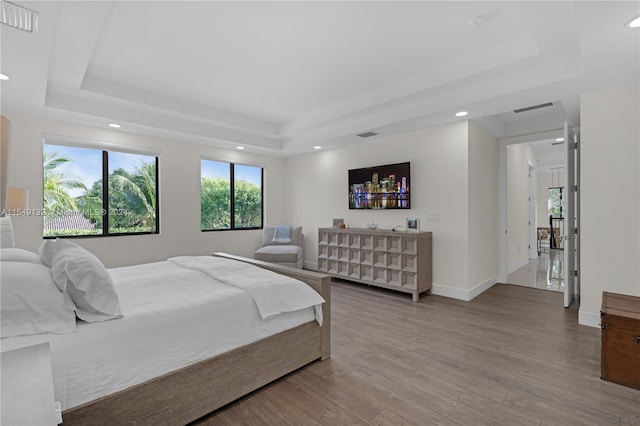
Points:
(177, 366)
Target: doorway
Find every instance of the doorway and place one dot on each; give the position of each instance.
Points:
(544, 272)
(547, 265)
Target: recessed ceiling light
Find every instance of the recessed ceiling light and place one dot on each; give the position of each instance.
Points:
(4, 77)
(635, 23)
(461, 113)
(560, 140)
(114, 125)
(240, 147)
(317, 147)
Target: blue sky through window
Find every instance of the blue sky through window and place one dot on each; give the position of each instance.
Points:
(85, 164)
(211, 169)
(126, 161)
(251, 174)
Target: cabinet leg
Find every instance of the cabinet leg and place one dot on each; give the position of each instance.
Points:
(416, 297)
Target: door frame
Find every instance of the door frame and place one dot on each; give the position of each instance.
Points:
(502, 192)
(533, 211)
(571, 242)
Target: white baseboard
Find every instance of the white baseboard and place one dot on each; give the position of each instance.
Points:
(590, 319)
(518, 265)
(452, 292)
(463, 294)
(482, 287)
(443, 290)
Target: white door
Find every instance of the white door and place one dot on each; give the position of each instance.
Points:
(570, 224)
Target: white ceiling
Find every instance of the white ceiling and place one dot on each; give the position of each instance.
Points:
(281, 77)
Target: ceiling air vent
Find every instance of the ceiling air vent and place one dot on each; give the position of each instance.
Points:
(18, 17)
(548, 104)
(367, 134)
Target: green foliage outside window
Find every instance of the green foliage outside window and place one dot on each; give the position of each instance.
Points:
(132, 199)
(220, 210)
(75, 206)
(556, 203)
(215, 206)
(248, 205)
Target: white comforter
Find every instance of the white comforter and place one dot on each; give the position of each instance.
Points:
(173, 316)
(273, 293)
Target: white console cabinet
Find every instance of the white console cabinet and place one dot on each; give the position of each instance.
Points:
(395, 260)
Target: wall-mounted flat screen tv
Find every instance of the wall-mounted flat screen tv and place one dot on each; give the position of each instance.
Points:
(380, 187)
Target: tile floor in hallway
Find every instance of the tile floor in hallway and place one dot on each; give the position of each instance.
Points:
(545, 272)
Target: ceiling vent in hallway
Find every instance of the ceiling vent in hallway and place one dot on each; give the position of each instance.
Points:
(18, 17)
(548, 104)
(367, 134)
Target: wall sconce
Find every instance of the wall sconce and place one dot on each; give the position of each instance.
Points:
(17, 201)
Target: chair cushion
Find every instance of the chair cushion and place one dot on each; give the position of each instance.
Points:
(279, 253)
(268, 231)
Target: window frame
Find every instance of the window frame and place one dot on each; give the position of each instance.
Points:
(232, 201)
(560, 190)
(105, 149)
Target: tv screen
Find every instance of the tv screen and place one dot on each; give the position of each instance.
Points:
(380, 187)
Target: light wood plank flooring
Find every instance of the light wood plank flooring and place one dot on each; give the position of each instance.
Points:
(512, 356)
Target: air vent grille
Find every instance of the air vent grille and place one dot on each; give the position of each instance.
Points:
(367, 134)
(548, 104)
(18, 17)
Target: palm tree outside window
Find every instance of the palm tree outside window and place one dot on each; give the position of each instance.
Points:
(77, 203)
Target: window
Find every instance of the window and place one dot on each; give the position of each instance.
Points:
(230, 196)
(77, 203)
(556, 203)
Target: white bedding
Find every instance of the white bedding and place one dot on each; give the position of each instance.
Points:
(273, 293)
(172, 317)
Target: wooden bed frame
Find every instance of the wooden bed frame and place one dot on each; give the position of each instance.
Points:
(189, 393)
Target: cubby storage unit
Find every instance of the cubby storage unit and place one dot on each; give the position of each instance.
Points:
(395, 260)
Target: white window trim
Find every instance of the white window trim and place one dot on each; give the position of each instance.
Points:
(237, 163)
(53, 139)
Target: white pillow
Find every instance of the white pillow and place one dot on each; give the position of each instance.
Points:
(19, 255)
(269, 231)
(85, 282)
(46, 251)
(31, 303)
(7, 240)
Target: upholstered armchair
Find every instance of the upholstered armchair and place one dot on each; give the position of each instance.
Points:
(287, 253)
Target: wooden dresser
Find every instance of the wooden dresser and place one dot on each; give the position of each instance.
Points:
(396, 260)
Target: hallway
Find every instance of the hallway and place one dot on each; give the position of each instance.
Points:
(545, 272)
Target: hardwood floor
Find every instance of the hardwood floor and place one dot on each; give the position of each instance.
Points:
(512, 356)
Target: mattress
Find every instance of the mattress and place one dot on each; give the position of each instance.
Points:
(172, 317)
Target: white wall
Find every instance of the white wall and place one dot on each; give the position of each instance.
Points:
(610, 197)
(544, 183)
(179, 190)
(519, 156)
(439, 156)
(483, 208)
